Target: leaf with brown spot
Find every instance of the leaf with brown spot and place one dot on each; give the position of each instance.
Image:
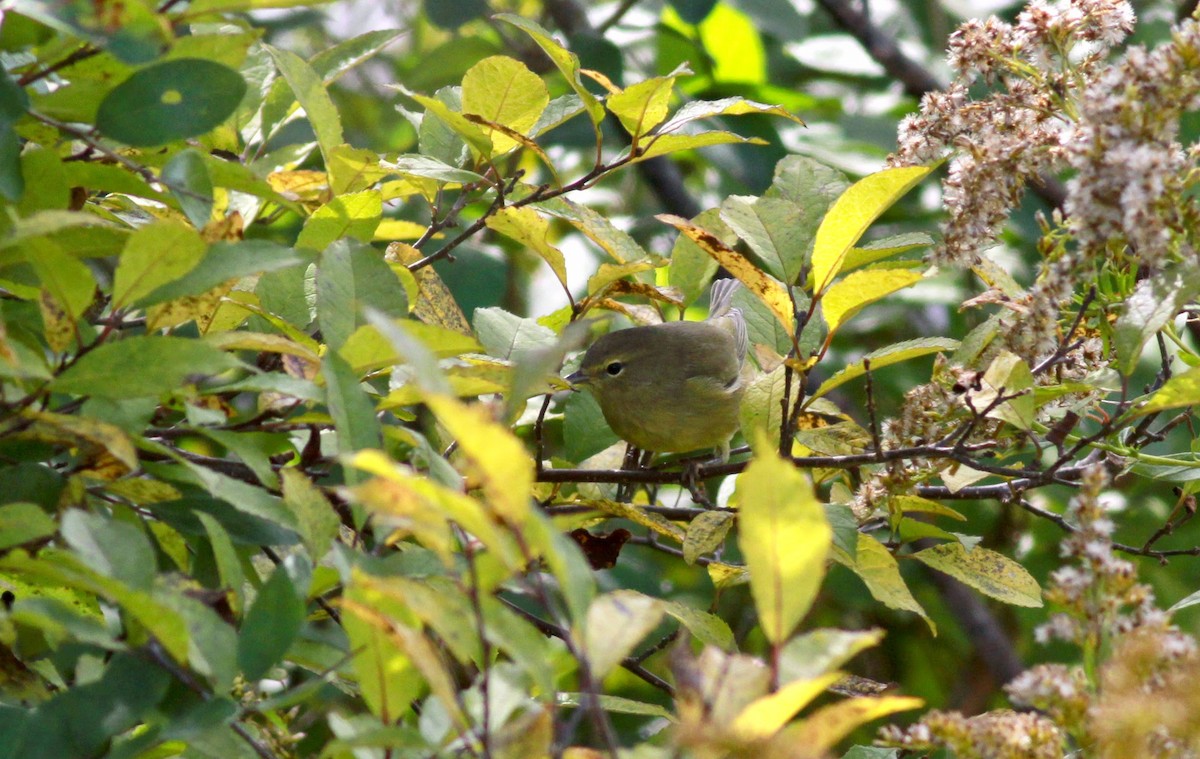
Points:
(769, 291)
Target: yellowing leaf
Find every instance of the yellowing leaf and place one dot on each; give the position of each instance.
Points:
(497, 461)
(1181, 391)
(503, 90)
(399, 229)
(876, 567)
(764, 717)
(785, 537)
(353, 215)
(860, 289)
(623, 510)
(154, 255)
(527, 226)
(395, 661)
(851, 214)
(616, 622)
(991, 573)
(436, 305)
(769, 291)
(706, 533)
(642, 106)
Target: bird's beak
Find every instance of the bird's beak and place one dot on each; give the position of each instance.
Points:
(577, 378)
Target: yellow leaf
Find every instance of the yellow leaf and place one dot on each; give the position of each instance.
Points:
(642, 106)
(821, 731)
(785, 537)
(860, 289)
(503, 90)
(773, 294)
(615, 623)
(764, 717)
(851, 214)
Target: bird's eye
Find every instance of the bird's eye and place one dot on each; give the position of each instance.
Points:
(614, 368)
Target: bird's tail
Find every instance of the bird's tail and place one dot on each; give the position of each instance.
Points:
(720, 306)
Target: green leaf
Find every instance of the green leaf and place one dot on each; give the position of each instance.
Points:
(892, 354)
(509, 336)
(69, 285)
(1155, 301)
(270, 626)
(477, 138)
(691, 269)
(229, 565)
(310, 93)
(63, 569)
(23, 522)
(142, 366)
(566, 61)
(115, 549)
(169, 101)
(785, 537)
(351, 278)
(991, 573)
(852, 213)
(315, 515)
(351, 408)
(665, 144)
(428, 167)
(186, 176)
(504, 91)
(614, 704)
(225, 261)
(387, 678)
(355, 215)
(707, 628)
(775, 230)
(13, 103)
(1007, 375)
(732, 106)
(859, 289)
(156, 254)
(613, 240)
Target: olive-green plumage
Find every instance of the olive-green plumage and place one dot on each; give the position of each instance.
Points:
(674, 386)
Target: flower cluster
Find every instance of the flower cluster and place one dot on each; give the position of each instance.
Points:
(999, 734)
(1008, 139)
(1131, 171)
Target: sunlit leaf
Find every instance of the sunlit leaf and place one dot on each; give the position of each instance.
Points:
(785, 537)
(853, 212)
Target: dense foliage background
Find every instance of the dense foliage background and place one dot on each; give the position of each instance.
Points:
(287, 468)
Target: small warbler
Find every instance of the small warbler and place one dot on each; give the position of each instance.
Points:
(673, 387)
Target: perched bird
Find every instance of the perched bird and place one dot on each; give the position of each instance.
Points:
(673, 387)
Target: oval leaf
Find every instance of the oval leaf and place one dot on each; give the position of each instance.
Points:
(990, 573)
(170, 101)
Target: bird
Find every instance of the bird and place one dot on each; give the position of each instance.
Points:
(674, 387)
